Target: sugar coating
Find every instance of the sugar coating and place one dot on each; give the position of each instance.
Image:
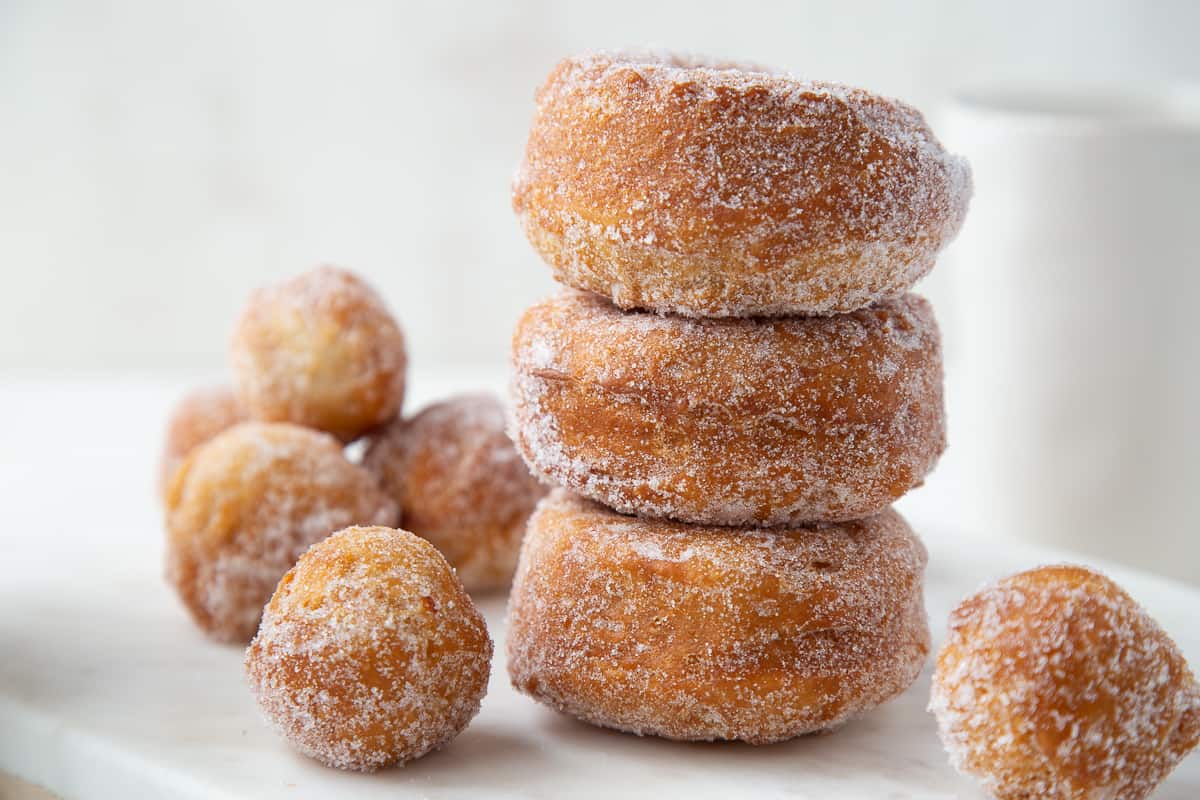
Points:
(199, 415)
(245, 505)
(703, 633)
(460, 484)
(757, 421)
(320, 350)
(370, 653)
(1054, 683)
(713, 189)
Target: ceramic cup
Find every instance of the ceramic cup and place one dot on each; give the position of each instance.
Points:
(1073, 336)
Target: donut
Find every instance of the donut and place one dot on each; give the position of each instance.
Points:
(460, 484)
(705, 633)
(198, 416)
(370, 652)
(244, 506)
(729, 421)
(712, 189)
(319, 350)
(1055, 683)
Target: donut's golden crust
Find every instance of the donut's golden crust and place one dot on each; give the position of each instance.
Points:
(370, 652)
(765, 421)
(460, 484)
(319, 350)
(199, 416)
(245, 505)
(1055, 684)
(694, 633)
(710, 190)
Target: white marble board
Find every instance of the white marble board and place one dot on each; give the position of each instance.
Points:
(106, 689)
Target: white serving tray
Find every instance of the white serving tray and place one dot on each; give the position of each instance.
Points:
(106, 689)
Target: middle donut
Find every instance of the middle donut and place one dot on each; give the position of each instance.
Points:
(729, 421)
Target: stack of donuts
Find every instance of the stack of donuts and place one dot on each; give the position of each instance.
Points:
(731, 391)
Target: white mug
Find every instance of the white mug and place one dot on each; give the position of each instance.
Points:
(1073, 331)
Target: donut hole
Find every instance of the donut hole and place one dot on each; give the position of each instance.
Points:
(373, 678)
(245, 506)
(460, 484)
(1055, 682)
(285, 582)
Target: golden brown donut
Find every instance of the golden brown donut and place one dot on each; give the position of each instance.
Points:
(245, 505)
(370, 652)
(708, 189)
(198, 416)
(729, 422)
(1054, 683)
(319, 350)
(460, 484)
(686, 632)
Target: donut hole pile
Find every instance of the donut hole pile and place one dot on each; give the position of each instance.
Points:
(735, 347)
(256, 473)
(320, 352)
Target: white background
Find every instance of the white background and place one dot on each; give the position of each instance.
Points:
(158, 159)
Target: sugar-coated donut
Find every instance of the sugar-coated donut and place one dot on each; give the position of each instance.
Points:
(1054, 683)
(729, 422)
(245, 505)
(696, 633)
(370, 652)
(198, 416)
(319, 350)
(709, 189)
(460, 484)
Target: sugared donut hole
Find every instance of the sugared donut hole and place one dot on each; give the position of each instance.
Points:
(245, 505)
(196, 418)
(1055, 683)
(460, 484)
(320, 350)
(370, 652)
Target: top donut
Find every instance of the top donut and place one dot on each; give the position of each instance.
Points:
(717, 190)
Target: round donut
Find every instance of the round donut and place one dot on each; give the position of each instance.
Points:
(245, 505)
(370, 652)
(460, 484)
(319, 350)
(697, 633)
(1055, 683)
(708, 189)
(729, 422)
(199, 416)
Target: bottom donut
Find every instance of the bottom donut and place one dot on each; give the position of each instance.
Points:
(709, 633)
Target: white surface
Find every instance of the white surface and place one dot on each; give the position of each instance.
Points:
(106, 689)
(1071, 332)
(159, 157)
